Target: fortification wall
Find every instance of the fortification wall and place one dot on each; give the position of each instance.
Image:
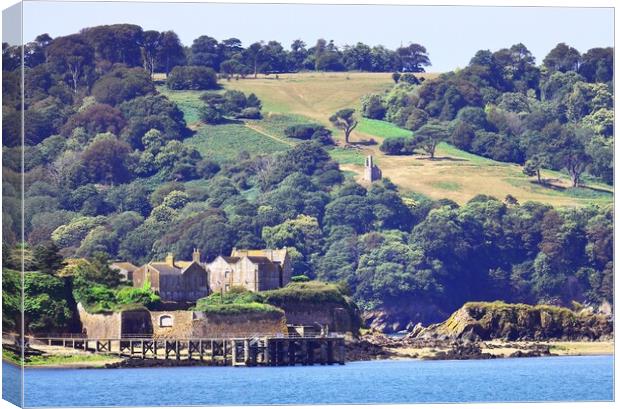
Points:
(335, 316)
(172, 324)
(208, 325)
(181, 324)
(103, 325)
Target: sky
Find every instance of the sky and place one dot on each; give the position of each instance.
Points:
(451, 34)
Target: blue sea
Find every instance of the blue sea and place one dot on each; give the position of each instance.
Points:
(586, 378)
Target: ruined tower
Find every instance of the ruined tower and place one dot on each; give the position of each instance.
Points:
(371, 171)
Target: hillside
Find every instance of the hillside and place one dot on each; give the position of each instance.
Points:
(313, 97)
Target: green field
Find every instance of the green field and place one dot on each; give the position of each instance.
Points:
(313, 97)
(225, 142)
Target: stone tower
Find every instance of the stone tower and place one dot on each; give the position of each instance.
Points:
(371, 171)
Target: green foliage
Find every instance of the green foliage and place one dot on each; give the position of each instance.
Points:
(192, 78)
(11, 298)
(300, 278)
(398, 146)
(138, 296)
(311, 292)
(45, 303)
(236, 301)
(230, 104)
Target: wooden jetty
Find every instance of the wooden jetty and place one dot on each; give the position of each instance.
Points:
(273, 350)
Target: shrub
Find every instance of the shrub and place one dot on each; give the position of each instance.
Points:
(397, 146)
(143, 296)
(302, 278)
(249, 113)
(372, 106)
(210, 115)
(192, 78)
(409, 78)
(313, 132)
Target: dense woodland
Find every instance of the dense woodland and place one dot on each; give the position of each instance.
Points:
(107, 175)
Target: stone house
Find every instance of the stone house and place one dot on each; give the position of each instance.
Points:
(255, 270)
(173, 280)
(125, 269)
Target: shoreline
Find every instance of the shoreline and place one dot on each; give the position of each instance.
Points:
(496, 349)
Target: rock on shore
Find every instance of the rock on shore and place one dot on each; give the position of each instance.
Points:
(482, 321)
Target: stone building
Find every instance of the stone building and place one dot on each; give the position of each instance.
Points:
(173, 280)
(371, 171)
(255, 270)
(125, 269)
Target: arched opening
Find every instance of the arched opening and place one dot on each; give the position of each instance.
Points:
(165, 321)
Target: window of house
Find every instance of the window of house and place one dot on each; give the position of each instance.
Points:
(165, 321)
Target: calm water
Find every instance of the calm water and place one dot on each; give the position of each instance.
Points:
(524, 379)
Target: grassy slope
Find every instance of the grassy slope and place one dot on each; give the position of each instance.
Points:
(456, 174)
(313, 97)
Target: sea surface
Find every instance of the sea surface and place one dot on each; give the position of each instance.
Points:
(585, 378)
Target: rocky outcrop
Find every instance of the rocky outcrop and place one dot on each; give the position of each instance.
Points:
(477, 321)
(402, 316)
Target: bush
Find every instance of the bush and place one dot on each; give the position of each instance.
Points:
(302, 278)
(397, 146)
(309, 292)
(211, 115)
(143, 296)
(372, 106)
(313, 132)
(249, 113)
(409, 78)
(192, 78)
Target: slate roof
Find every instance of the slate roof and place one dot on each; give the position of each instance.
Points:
(166, 269)
(124, 265)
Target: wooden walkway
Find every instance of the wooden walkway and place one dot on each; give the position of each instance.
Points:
(251, 351)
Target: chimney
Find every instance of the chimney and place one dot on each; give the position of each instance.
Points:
(196, 256)
(170, 259)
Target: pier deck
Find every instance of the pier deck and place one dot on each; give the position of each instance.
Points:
(273, 350)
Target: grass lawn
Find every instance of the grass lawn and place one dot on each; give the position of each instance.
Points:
(382, 129)
(224, 142)
(188, 101)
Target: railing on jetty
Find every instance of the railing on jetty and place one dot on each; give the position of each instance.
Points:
(253, 350)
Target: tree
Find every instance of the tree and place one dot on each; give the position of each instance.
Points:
(254, 54)
(597, 64)
(97, 118)
(205, 51)
(170, 53)
(413, 58)
(46, 258)
(345, 120)
(569, 152)
(71, 54)
(192, 78)
(372, 106)
(122, 84)
(533, 166)
(562, 58)
(106, 160)
(150, 45)
(397, 146)
(429, 136)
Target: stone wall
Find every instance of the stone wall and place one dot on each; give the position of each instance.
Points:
(103, 325)
(208, 325)
(335, 316)
(181, 324)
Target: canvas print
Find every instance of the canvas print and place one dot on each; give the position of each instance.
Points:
(209, 204)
